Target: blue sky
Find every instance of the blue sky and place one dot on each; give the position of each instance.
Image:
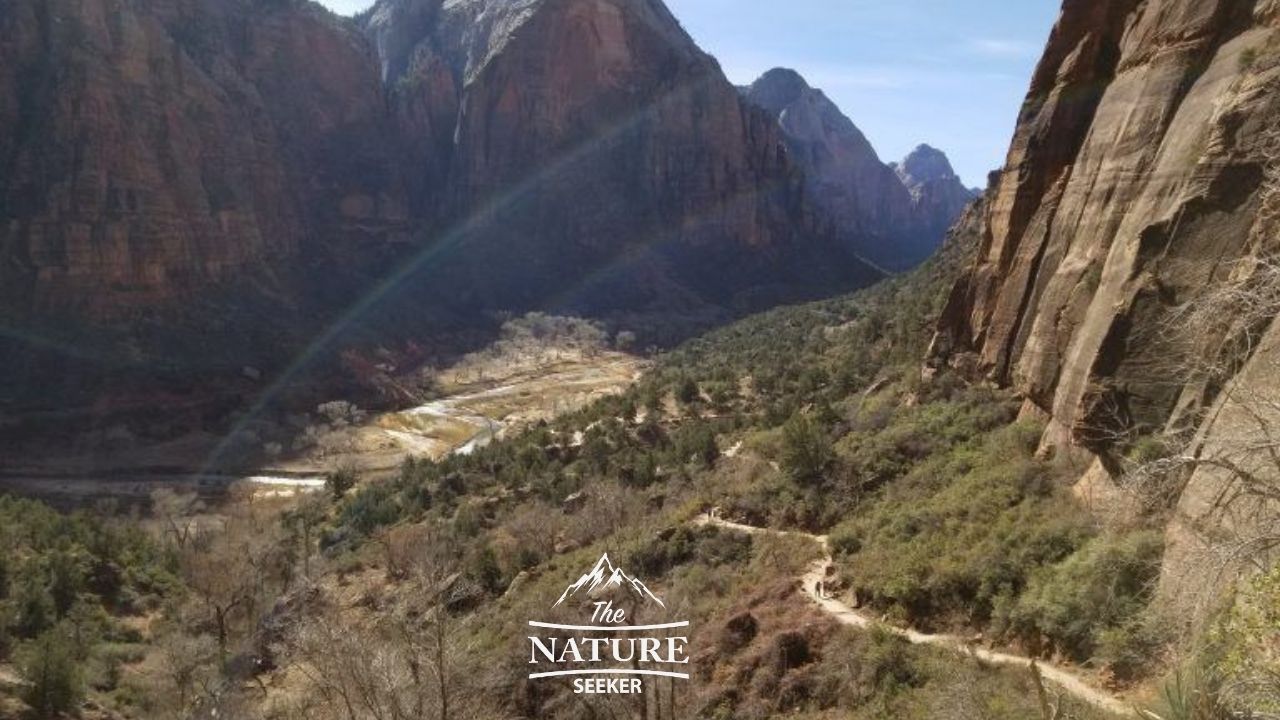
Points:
(945, 72)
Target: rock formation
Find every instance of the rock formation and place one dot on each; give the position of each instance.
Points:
(938, 197)
(589, 156)
(151, 151)
(1133, 187)
(893, 219)
(197, 179)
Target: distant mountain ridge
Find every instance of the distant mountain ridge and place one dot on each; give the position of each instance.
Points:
(893, 218)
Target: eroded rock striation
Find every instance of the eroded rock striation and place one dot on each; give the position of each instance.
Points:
(224, 176)
(1134, 186)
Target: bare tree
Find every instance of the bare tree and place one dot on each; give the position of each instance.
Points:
(1233, 453)
(220, 575)
(176, 512)
(399, 664)
(1219, 467)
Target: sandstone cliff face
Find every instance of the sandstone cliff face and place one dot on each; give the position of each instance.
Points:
(149, 151)
(586, 155)
(1132, 187)
(1132, 184)
(892, 219)
(209, 184)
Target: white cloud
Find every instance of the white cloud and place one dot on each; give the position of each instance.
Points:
(998, 48)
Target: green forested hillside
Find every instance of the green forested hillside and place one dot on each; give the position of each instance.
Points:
(413, 593)
(814, 417)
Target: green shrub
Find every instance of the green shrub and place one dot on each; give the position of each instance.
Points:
(887, 663)
(34, 612)
(1102, 587)
(374, 507)
(1245, 639)
(1129, 648)
(806, 450)
(55, 685)
(687, 391)
(963, 529)
(707, 546)
(1192, 694)
(1248, 59)
(341, 481)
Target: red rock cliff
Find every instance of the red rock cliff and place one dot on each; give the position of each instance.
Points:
(1132, 186)
(150, 150)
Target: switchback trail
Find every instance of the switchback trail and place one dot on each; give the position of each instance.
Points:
(813, 583)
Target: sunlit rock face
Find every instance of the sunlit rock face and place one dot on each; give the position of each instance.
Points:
(1137, 182)
(938, 197)
(1134, 177)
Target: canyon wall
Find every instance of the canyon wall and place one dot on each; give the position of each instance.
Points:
(885, 213)
(587, 156)
(574, 154)
(1133, 185)
(1134, 188)
(190, 187)
(151, 151)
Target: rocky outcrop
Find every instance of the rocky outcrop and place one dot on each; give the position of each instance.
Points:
(1133, 187)
(149, 151)
(938, 197)
(587, 156)
(895, 220)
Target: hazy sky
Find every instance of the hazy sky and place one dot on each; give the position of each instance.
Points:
(945, 72)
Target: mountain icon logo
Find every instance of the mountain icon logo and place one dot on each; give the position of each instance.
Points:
(607, 576)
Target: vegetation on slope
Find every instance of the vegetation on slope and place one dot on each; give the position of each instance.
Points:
(813, 416)
(71, 590)
(412, 595)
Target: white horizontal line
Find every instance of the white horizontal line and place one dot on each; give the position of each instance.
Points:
(609, 628)
(562, 673)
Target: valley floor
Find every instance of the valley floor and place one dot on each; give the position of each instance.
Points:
(484, 396)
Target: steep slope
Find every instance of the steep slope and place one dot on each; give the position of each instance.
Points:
(189, 187)
(588, 156)
(894, 221)
(1132, 184)
(149, 152)
(1134, 187)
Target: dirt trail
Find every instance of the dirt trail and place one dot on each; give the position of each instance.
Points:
(9, 678)
(813, 583)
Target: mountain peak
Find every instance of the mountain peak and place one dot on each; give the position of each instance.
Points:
(778, 88)
(925, 164)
